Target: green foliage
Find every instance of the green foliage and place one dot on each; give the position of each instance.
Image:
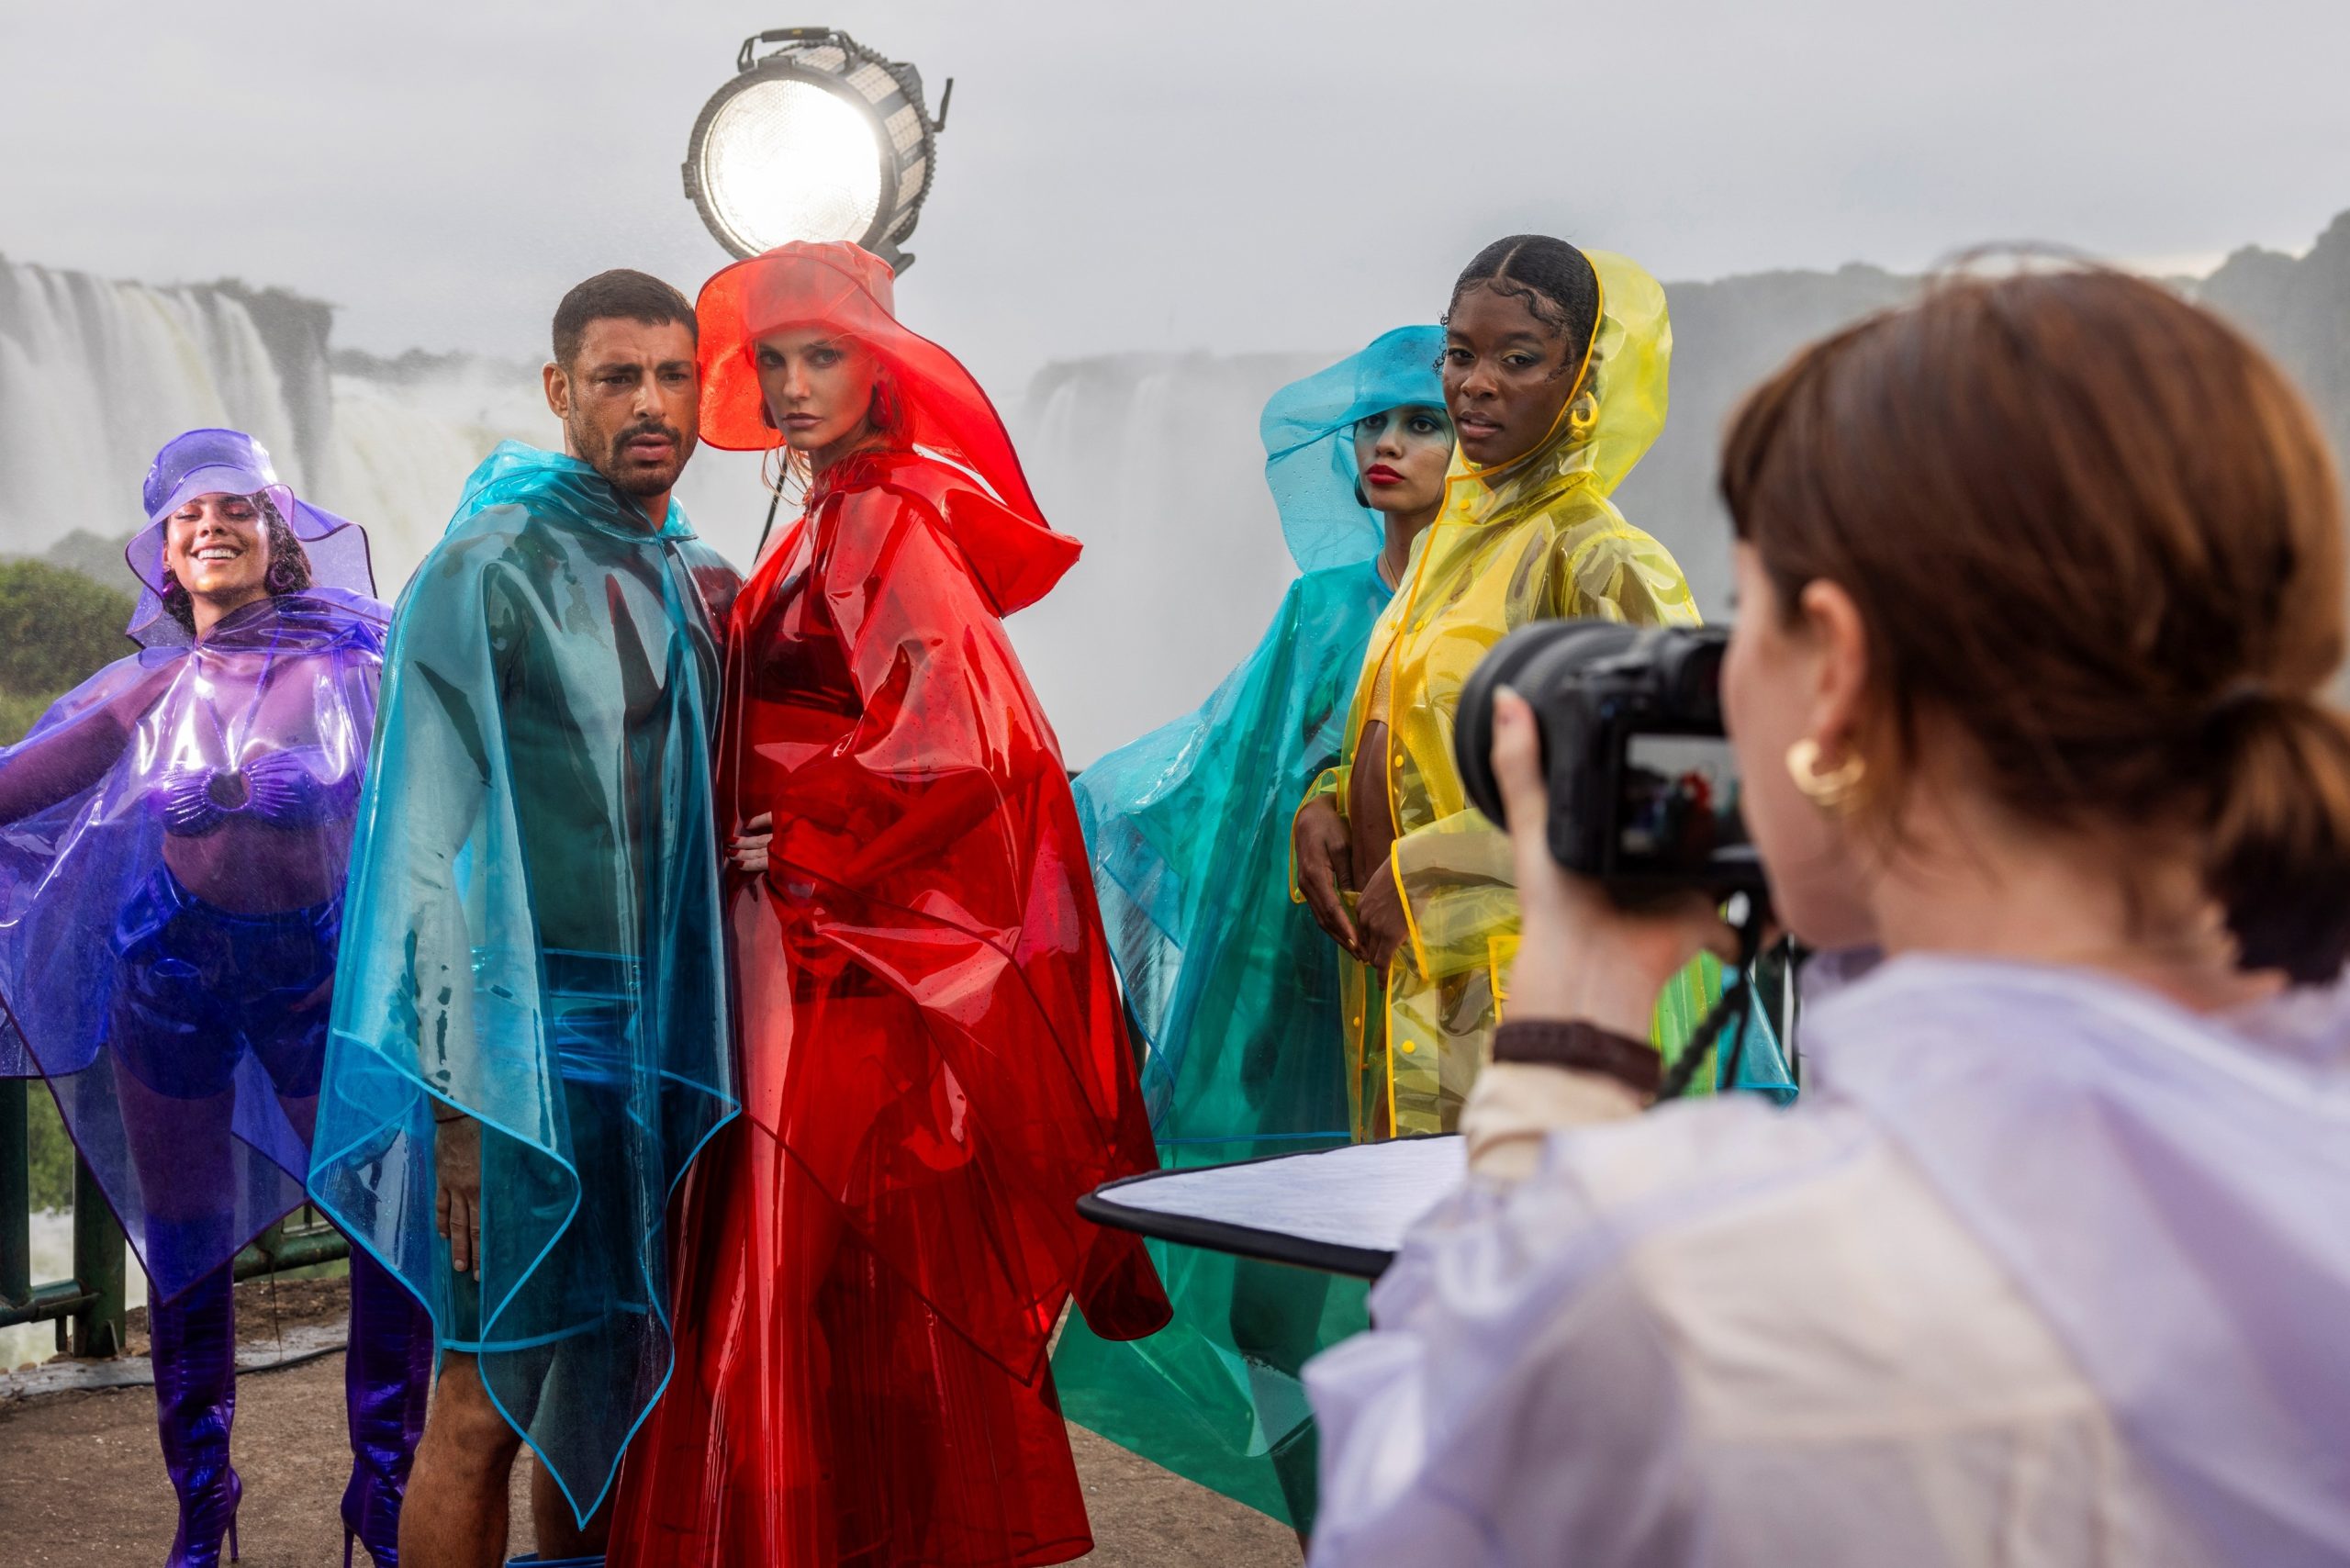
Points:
(56, 628)
(52, 1151)
(17, 713)
(97, 557)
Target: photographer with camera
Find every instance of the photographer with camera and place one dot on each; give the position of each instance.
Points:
(2039, 580)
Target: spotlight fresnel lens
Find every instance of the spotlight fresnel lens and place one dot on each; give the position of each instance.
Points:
(820, 140)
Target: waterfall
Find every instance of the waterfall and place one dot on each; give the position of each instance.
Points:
(1153, 462)
(408, 432)
(95, 377)
(1150, 460)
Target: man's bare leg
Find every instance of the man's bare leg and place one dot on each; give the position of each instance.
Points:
(454, 1515)
(559, 1534)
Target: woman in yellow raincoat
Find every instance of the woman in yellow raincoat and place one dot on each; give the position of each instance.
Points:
(1554, 371)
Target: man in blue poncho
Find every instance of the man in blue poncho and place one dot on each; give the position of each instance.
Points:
(528, 1040)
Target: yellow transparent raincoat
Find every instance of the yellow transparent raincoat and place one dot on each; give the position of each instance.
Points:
(1537, 539)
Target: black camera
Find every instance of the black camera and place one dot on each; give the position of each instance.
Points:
(1643, 785)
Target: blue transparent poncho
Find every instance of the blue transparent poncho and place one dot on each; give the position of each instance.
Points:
(531, 937)
(1232, 987)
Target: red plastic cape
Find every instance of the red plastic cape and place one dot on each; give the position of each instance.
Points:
(933, 1069)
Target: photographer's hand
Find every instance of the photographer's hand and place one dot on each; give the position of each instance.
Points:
(1580, 955)
(1318, 839)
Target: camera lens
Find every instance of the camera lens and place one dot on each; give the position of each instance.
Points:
(1472, 734)
(1692, 677)
(1541, 663)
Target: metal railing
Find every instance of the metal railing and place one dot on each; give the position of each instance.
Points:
(89, 1308)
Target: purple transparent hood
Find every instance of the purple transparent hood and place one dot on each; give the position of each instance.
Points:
(225, 462)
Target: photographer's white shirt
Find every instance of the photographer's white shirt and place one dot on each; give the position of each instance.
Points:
(2040, 1271)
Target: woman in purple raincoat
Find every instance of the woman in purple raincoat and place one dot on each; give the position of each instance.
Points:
(174, 835)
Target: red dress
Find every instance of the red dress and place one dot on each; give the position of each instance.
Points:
(934, 1070)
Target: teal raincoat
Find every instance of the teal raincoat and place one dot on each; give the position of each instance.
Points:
(1232, 988)
(531, 938)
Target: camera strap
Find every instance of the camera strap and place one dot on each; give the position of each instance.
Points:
(1733, 1012)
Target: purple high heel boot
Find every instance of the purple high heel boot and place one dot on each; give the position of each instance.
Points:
(386, 1377)
(193, 1344)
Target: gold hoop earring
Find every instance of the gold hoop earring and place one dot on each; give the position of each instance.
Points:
(1582, 417)
(1832, 790)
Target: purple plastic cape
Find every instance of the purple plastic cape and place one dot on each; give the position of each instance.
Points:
(174, 987)
(174, 835)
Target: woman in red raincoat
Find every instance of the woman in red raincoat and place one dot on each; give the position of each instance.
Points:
(933, 1063)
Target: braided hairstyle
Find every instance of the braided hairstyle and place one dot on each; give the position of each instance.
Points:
(289, 567)
(1556, 282)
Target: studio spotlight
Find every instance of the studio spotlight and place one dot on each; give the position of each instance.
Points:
(820, 140)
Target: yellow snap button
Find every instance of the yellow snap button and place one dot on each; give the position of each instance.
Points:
(1407, 1047)
(1358, 1023)
(1399, 759)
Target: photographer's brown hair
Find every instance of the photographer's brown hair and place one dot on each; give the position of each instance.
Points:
(2098, 531)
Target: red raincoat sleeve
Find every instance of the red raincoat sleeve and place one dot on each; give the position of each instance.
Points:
(955, 1069)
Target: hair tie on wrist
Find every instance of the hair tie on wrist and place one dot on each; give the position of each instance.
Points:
(1580, 1046)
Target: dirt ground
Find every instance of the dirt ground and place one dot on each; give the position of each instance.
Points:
(81, 1484)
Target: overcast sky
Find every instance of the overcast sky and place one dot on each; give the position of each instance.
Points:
(1148, 174)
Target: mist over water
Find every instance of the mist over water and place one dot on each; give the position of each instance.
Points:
(1151, 460)
(95, 377)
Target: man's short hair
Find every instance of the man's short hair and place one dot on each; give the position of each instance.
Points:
(621, 293)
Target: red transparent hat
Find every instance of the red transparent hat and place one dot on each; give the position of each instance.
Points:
(850, 291)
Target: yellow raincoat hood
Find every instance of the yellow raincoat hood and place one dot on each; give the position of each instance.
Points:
(1531, 540)
(1615, 416)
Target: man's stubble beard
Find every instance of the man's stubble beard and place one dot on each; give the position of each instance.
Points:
(611, 463)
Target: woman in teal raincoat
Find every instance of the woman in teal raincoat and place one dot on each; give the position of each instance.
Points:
(1233, 989)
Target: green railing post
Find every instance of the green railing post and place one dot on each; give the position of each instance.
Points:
(16, 1195)
(99, 1268)
(88, 1309)
(290, 1244)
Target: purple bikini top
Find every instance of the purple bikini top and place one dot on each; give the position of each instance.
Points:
(278, 787)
